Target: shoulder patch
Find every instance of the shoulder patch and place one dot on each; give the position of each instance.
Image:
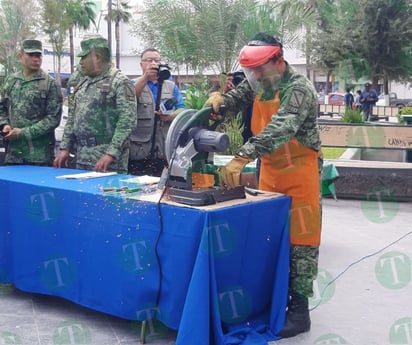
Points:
(130, 95)
(295, 102)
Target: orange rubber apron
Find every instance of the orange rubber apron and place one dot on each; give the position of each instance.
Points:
(292, 170)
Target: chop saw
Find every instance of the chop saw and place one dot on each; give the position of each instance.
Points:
(190, 139)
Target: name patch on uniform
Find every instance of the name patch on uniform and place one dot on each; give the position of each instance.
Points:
(295, 101)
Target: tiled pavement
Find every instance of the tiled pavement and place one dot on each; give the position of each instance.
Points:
(370, 302)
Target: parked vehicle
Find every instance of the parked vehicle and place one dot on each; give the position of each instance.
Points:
(394, 101)
(334, 98)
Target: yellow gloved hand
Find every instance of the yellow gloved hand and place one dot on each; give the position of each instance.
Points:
(229, 175)
(215, 101)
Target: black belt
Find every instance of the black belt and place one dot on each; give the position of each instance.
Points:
(90, 141)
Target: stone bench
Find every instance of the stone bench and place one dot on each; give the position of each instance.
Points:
(388, 172)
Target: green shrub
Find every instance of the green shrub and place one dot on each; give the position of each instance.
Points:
(352, 116)
(403, 111)
(406, 111)
(197, 94)
(233, 127)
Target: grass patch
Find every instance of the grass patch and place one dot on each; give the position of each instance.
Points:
(332, 152)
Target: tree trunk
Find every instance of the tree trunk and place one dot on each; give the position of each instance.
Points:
(328, 82)
(109, 24)
(307, 51)
(386, 86)
(71, 42)
(117, 37)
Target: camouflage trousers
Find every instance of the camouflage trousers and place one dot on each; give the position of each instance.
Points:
(303, 269)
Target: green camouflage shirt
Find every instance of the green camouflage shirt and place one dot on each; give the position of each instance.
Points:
(101, 122)
(37, 112)
(296, 117)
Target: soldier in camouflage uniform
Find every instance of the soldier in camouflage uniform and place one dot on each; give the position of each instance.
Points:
(287, 140)
(30, 110)
(104, 113)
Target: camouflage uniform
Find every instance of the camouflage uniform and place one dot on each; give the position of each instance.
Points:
(293, 119)
(72, 83)
(99, 124)
(24, 106)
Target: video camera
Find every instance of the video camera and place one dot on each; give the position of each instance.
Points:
(238, 77)
(163, 72)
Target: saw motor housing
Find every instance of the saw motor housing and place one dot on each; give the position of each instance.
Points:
(190, 139)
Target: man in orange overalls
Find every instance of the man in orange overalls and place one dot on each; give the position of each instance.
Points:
(286, 139)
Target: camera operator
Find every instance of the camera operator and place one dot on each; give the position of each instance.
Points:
(154, 115)
(233, 79)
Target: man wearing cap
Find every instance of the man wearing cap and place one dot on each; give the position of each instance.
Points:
(286, 139)
(30, 110)
(103, 115)
(368, 99)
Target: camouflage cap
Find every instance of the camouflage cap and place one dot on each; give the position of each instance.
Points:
(32, 46)
(92, 42)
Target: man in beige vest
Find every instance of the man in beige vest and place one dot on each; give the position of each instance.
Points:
(147, 142)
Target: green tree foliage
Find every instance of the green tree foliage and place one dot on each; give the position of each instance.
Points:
(13, 29)
(55, 24)
(364, 39)
(332, 38)
(385, 39)
(216, 29)
(120, 13)
(81, 14)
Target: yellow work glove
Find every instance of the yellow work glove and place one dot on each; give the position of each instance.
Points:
(215, 101)
(229, 175)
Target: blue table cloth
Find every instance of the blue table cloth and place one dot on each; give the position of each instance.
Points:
(217, 274)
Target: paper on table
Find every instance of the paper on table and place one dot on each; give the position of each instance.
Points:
(145, 179)
(90, 174)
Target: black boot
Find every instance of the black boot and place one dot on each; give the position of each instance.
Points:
(297, 317)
